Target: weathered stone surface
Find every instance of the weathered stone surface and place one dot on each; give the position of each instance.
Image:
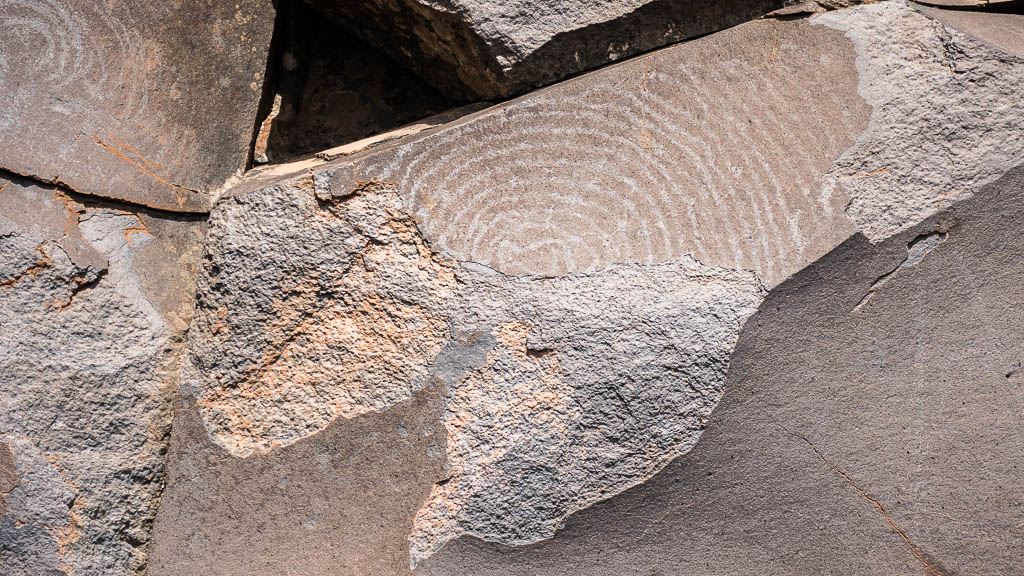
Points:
(150, 102)
(487, 49)
(352, 312)
(715, 148)
(945, 116)
(339, 503)
(740, 155)
(871, 441)
(87, 354)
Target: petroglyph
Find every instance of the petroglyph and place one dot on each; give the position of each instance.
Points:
(714, 148)
(147, 102)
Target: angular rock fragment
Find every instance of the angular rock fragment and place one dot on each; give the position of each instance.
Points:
(486, 49)
(945, 116)
(149, 102)
(88, 357)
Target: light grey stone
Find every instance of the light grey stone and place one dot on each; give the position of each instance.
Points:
(945, 120)
(88, 368)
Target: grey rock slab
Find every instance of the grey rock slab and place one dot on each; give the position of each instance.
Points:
(716, 148)
(738, 155)
(875, 439)
(488, 49)
(586, 253)
(152, 103)
(90, 330)
(338, 503)
(1003, 31)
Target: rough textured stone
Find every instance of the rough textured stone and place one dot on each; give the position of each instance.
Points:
(945, 116)
(488, 48)
(352, 312)
(88, 360)
(1002, 31)
(870, 442)
(150, 102)
(493, 346)
(338, 503)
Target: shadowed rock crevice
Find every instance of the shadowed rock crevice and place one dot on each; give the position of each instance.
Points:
(326, 87)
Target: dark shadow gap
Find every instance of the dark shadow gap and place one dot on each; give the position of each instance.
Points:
(325, 88)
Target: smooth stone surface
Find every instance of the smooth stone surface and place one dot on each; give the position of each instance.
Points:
(339, 503)
(149, 102)
(1003, 31)
(852, 439)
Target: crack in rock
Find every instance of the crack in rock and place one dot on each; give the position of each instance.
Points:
(929, 569)
(917, 249)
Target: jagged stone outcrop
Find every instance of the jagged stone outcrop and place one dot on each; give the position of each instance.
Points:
(150, 102)
(88, 357)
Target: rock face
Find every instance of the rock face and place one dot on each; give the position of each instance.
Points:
(153, 103)
(746, 304)
(487, 49)
(88, 362)
(574, 266)
(850, 439)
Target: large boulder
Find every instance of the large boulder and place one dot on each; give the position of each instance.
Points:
(485, 49)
